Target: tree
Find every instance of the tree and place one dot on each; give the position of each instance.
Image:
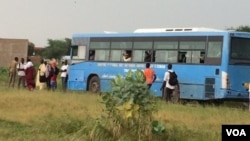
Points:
(57, 48)
(31, 48)
(243, 28)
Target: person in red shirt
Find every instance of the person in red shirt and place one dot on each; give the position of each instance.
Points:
(149, 75)
(30, 74)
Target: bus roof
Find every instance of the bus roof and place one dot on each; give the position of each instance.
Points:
(144, 30)
(162, 32)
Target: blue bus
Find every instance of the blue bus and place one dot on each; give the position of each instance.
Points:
(211, 64)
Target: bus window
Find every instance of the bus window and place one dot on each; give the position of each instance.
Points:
(153, 56)
(189, 57)
(192, 50)
(121, 45)
(115, 55)
(196, 56)
(166, 56)
(239, 50)
(74, 51)
(78, 53)
(102, 55)
(165, 45)
(139, 57)
(143, 56)
(192, 45)
(214, 49)
(99, 45)
(143, 45)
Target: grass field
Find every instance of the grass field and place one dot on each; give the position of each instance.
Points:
(42, 115)
(45, 115)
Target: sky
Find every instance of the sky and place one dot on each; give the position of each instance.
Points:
(40, 20)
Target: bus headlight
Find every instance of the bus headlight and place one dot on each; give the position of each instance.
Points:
(246, 85)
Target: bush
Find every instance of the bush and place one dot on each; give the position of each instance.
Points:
(128, 108)
(3, 75)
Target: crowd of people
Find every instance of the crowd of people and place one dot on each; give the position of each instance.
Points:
(44, 77)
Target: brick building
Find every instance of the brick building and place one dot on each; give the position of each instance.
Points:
(10, 48)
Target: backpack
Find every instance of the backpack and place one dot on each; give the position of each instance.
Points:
(172, 78)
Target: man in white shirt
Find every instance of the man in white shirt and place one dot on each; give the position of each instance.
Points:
(21, 73)
(64, 75)
(166, 87)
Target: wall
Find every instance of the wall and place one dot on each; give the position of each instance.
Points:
(10, 48)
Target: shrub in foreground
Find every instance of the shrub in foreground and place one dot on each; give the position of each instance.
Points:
(128, 109)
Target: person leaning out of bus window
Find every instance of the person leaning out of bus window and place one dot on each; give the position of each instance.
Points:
(91, 55)
(127, 56)
(147, 57)
(183, 58)
(149, 75)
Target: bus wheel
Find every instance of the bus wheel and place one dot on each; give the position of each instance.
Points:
(94, 84)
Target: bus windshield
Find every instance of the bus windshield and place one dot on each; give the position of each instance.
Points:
(240, 48)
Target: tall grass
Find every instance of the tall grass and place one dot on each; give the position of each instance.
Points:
(47, 115)
(43, 115)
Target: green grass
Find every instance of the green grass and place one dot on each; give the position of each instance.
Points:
(57, 116)
(43, 115)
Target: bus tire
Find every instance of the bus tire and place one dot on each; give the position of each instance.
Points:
(94, 84)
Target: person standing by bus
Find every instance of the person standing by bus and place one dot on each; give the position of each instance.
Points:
(167, 89)
(149, 75)
(30, 75)
(21, 73)
(12, 71)
(64, 74)
(47, 73)
(41, 76)
(53, 72)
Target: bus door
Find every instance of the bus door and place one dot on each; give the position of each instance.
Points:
(213, 61)
(239, 67)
